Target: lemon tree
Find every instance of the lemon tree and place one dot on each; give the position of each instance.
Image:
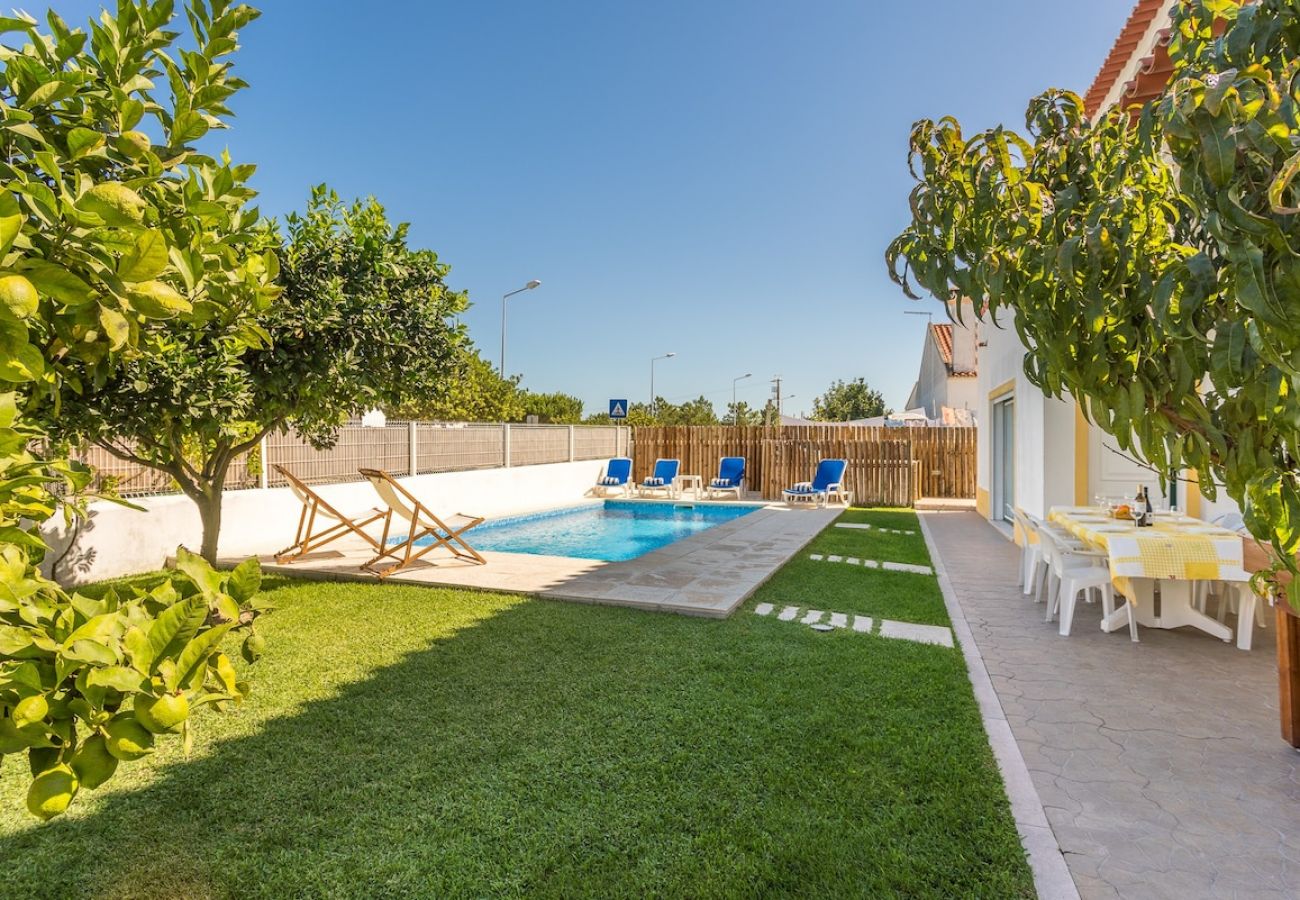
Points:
(1149, 261)
(110, 219)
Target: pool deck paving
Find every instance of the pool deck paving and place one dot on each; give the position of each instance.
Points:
(1159, 765)
(708, 574)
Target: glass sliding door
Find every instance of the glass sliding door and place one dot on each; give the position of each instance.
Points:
(1003, 458)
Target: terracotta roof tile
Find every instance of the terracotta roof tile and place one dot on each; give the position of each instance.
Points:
(942, 334)
(943, 340)
(1139, 21)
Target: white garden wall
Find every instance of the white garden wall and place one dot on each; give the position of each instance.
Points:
(121, 541)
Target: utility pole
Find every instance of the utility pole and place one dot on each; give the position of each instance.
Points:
(776, 394)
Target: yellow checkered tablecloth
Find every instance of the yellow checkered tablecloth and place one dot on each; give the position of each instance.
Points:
(1186, 549)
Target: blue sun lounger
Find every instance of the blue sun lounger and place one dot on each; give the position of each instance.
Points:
(731, 477)
(617, 477)
(827, 482)
(662, 479)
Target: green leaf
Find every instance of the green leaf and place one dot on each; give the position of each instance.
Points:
(188, 127)
(130, 114)
(116, 328)
(194, 658)
(21, 364)
(10, 23)
(119, 678)
(207, 579)
(246, 580)
(147, 258)
(1218, 148)
(138, 649)
(50, 92)
(57, 282)
(11, 221)
(175, 626)
(157, 300)
(83, 140)
(1285, 175)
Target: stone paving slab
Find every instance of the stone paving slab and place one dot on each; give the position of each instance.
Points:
(710, 573)
(910, 631)
(1159, 764)
(907, 631)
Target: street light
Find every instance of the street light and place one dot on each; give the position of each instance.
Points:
(528, 287)
(734, 382)
(654, 406)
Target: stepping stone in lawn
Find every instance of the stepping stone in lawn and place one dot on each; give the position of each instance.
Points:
(788, 613)
(839, 620)
(908, 567)
(814, 615)
(925, 634)
(856, 525)
(853, 561)
(871, 564)
(816, 556)
(763, 609)
(835, 559)
(862, 624)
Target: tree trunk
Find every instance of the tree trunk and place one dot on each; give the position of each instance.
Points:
(209, 504)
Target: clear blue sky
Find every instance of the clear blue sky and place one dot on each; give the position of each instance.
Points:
(716, 179)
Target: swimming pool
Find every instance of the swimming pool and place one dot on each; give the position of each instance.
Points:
(612, 531)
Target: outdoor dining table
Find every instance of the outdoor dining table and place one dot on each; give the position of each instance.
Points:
(1175, 552)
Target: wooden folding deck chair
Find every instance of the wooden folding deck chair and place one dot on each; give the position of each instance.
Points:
(332, 523)
(421, 523)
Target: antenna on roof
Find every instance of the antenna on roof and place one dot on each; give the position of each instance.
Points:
(919, 312)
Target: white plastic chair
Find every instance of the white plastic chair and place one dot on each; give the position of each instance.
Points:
(1228, 593)
(1080, 571)
(1031, 554)
(1045, 580)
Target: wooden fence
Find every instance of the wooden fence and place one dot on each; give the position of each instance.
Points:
(887, 466)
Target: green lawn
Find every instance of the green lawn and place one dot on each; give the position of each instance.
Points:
(404, 741)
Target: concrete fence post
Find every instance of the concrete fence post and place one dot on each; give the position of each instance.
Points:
(573, 443)
(505, 444)
(264, 476)
(413, 446)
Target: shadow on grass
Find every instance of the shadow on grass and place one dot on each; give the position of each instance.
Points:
(552, 749)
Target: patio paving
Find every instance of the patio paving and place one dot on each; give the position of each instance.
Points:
(1159, 764)
(708, 574)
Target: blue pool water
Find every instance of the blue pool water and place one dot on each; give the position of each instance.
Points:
(613, 531)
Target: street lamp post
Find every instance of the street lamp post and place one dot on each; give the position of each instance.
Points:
(734, 382)
(654, 406)
(528, 287)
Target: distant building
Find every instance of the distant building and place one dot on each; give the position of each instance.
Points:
(949, 370)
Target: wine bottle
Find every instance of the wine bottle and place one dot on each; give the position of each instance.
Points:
(1146, 514)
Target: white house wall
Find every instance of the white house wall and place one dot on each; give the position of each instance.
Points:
(1043, 456)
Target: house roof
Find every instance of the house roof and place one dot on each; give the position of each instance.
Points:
(942, 334)
(1153, 72)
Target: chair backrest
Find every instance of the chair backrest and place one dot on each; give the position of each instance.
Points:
(1053, 550)
(666, 469)
(1027, 528)
(1231, 521)
(306, 495)
(395, 497)
(829, 471)
(731, 469)
(619, 467)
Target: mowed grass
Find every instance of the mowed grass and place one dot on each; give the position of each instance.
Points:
(411, 742)
(840, 587)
